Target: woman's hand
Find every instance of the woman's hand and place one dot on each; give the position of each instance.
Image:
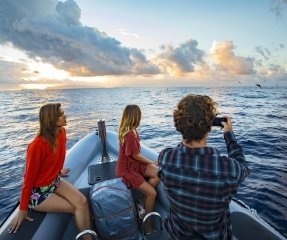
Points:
(17, 221)
(64, 172)
(142, 158)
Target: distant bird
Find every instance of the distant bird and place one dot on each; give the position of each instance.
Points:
(258, 85)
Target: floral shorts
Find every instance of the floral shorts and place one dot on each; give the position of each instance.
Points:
(39, 194)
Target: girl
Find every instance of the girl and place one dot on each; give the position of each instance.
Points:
(133, 167)
(43, 188)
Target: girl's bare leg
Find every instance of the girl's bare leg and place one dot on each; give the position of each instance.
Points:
(150, 196)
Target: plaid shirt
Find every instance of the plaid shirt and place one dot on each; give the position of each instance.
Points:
(199, 184)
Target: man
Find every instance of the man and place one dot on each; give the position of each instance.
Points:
(198, 181)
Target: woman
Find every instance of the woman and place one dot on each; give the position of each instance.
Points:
(133, 167)
(43, 188)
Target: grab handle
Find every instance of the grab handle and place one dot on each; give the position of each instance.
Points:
(84, 232)
(148, 216)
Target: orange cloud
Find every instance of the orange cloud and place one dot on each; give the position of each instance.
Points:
(224, 57)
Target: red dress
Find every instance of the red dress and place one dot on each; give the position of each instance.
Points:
(131, 170)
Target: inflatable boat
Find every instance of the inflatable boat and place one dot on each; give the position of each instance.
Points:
(93, 160)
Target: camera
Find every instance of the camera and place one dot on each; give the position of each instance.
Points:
(217, 121)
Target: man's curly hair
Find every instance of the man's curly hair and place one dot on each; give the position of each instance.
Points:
(193, 116)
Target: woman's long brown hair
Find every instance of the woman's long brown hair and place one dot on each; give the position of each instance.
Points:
(131, 118)
(48, 117)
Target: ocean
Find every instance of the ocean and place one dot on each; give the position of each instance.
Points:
(259, 119)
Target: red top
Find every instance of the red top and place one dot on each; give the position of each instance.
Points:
(42, 165)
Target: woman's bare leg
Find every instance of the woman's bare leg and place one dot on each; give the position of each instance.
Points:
(55, 203)
(67, 198)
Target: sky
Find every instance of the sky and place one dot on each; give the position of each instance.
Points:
(112, 43)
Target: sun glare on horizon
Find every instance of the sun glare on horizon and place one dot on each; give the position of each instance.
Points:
(39, 86)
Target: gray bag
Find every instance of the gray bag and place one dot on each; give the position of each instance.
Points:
(114, 211)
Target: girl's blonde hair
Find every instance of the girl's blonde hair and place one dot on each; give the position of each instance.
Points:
(131, 118)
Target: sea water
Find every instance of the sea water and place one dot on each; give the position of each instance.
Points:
(259, 119)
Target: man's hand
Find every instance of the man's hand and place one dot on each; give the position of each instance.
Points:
(227, 126)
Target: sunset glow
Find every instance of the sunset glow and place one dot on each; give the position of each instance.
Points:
(77, 43)
(40, 86)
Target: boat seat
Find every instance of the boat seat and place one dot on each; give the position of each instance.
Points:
(27, 228)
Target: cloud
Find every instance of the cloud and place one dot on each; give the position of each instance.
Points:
(11, 72)
(274, 74)
(278, 7)
(69, 12)
(276, 69)
(180, 60)
(225, 59)
(125, 33)
(51, 30)
(264, 52)
(16, 75)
